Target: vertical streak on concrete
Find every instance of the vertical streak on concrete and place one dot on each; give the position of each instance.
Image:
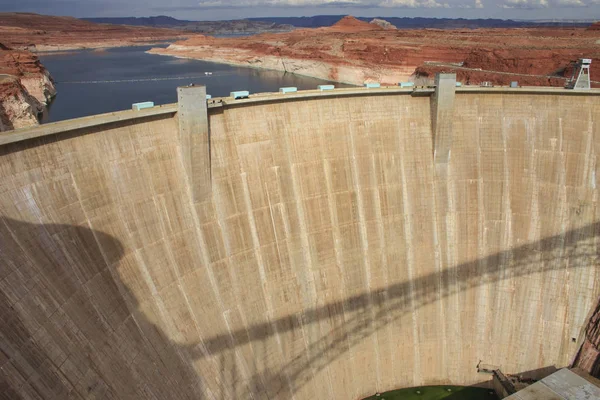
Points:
(294, 265)
(442, 115)
(563, 217)
(335, 231)
(564, 225)
(308, 281)
(228, 237)
(442, 229)
(384, 261)
(184, 294)
(364, 242)
(537, 229)
(484, 327)
(305, 271)
(507, 214)
(410, 266)
(195, 139)
(506, 239)
(535, 222)
(263, 275)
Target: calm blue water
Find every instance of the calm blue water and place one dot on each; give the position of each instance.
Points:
(94, 82)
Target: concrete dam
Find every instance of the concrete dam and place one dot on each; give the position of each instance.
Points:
(312, 245)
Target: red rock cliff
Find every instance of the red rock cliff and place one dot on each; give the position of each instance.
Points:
(355, 51)
(25, 88)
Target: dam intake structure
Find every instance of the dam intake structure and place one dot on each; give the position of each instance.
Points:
(314, 244)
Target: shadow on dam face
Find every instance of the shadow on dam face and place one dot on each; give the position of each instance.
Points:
(117, 351)
(329, 257)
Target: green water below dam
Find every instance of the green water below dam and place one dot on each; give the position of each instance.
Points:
(437, 393)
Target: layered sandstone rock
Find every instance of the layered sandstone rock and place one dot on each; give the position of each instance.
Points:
(26, 88)
(354, 51)
(48, 33)
(18, 109)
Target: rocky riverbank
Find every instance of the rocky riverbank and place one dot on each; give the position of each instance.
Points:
(26, 88)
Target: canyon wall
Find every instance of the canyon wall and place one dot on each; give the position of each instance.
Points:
(356, 52)
(26, 88)
(34, 32)
(333, 258)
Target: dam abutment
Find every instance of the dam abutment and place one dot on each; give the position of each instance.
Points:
(322, 254)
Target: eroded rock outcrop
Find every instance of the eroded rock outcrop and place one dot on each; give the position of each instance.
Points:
(18, 109)
(26, 88)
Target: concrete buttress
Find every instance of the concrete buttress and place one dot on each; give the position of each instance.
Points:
(195, 139)
(442, 106)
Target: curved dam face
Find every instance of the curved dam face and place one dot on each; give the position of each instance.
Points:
(330, 255)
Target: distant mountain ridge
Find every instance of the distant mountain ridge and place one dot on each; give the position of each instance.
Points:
(159, 20)
(284, 24)
(240, 26)
(318, 21)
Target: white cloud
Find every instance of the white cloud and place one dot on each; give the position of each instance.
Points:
(571, 3)
(411, 4)
(391, 4)
(329, 3)
(276, 3)
(533, 4)
(525, 4)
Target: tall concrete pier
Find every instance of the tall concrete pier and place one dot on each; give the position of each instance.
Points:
(442, 116)
(195, 140)
(298, 246)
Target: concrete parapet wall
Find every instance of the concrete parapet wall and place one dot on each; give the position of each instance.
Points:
(329, 260)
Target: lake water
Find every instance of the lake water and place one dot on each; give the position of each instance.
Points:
(98, 81)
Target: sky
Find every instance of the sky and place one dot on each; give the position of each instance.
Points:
(236, 9)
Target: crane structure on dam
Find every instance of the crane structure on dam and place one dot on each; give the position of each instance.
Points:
(582, 71)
